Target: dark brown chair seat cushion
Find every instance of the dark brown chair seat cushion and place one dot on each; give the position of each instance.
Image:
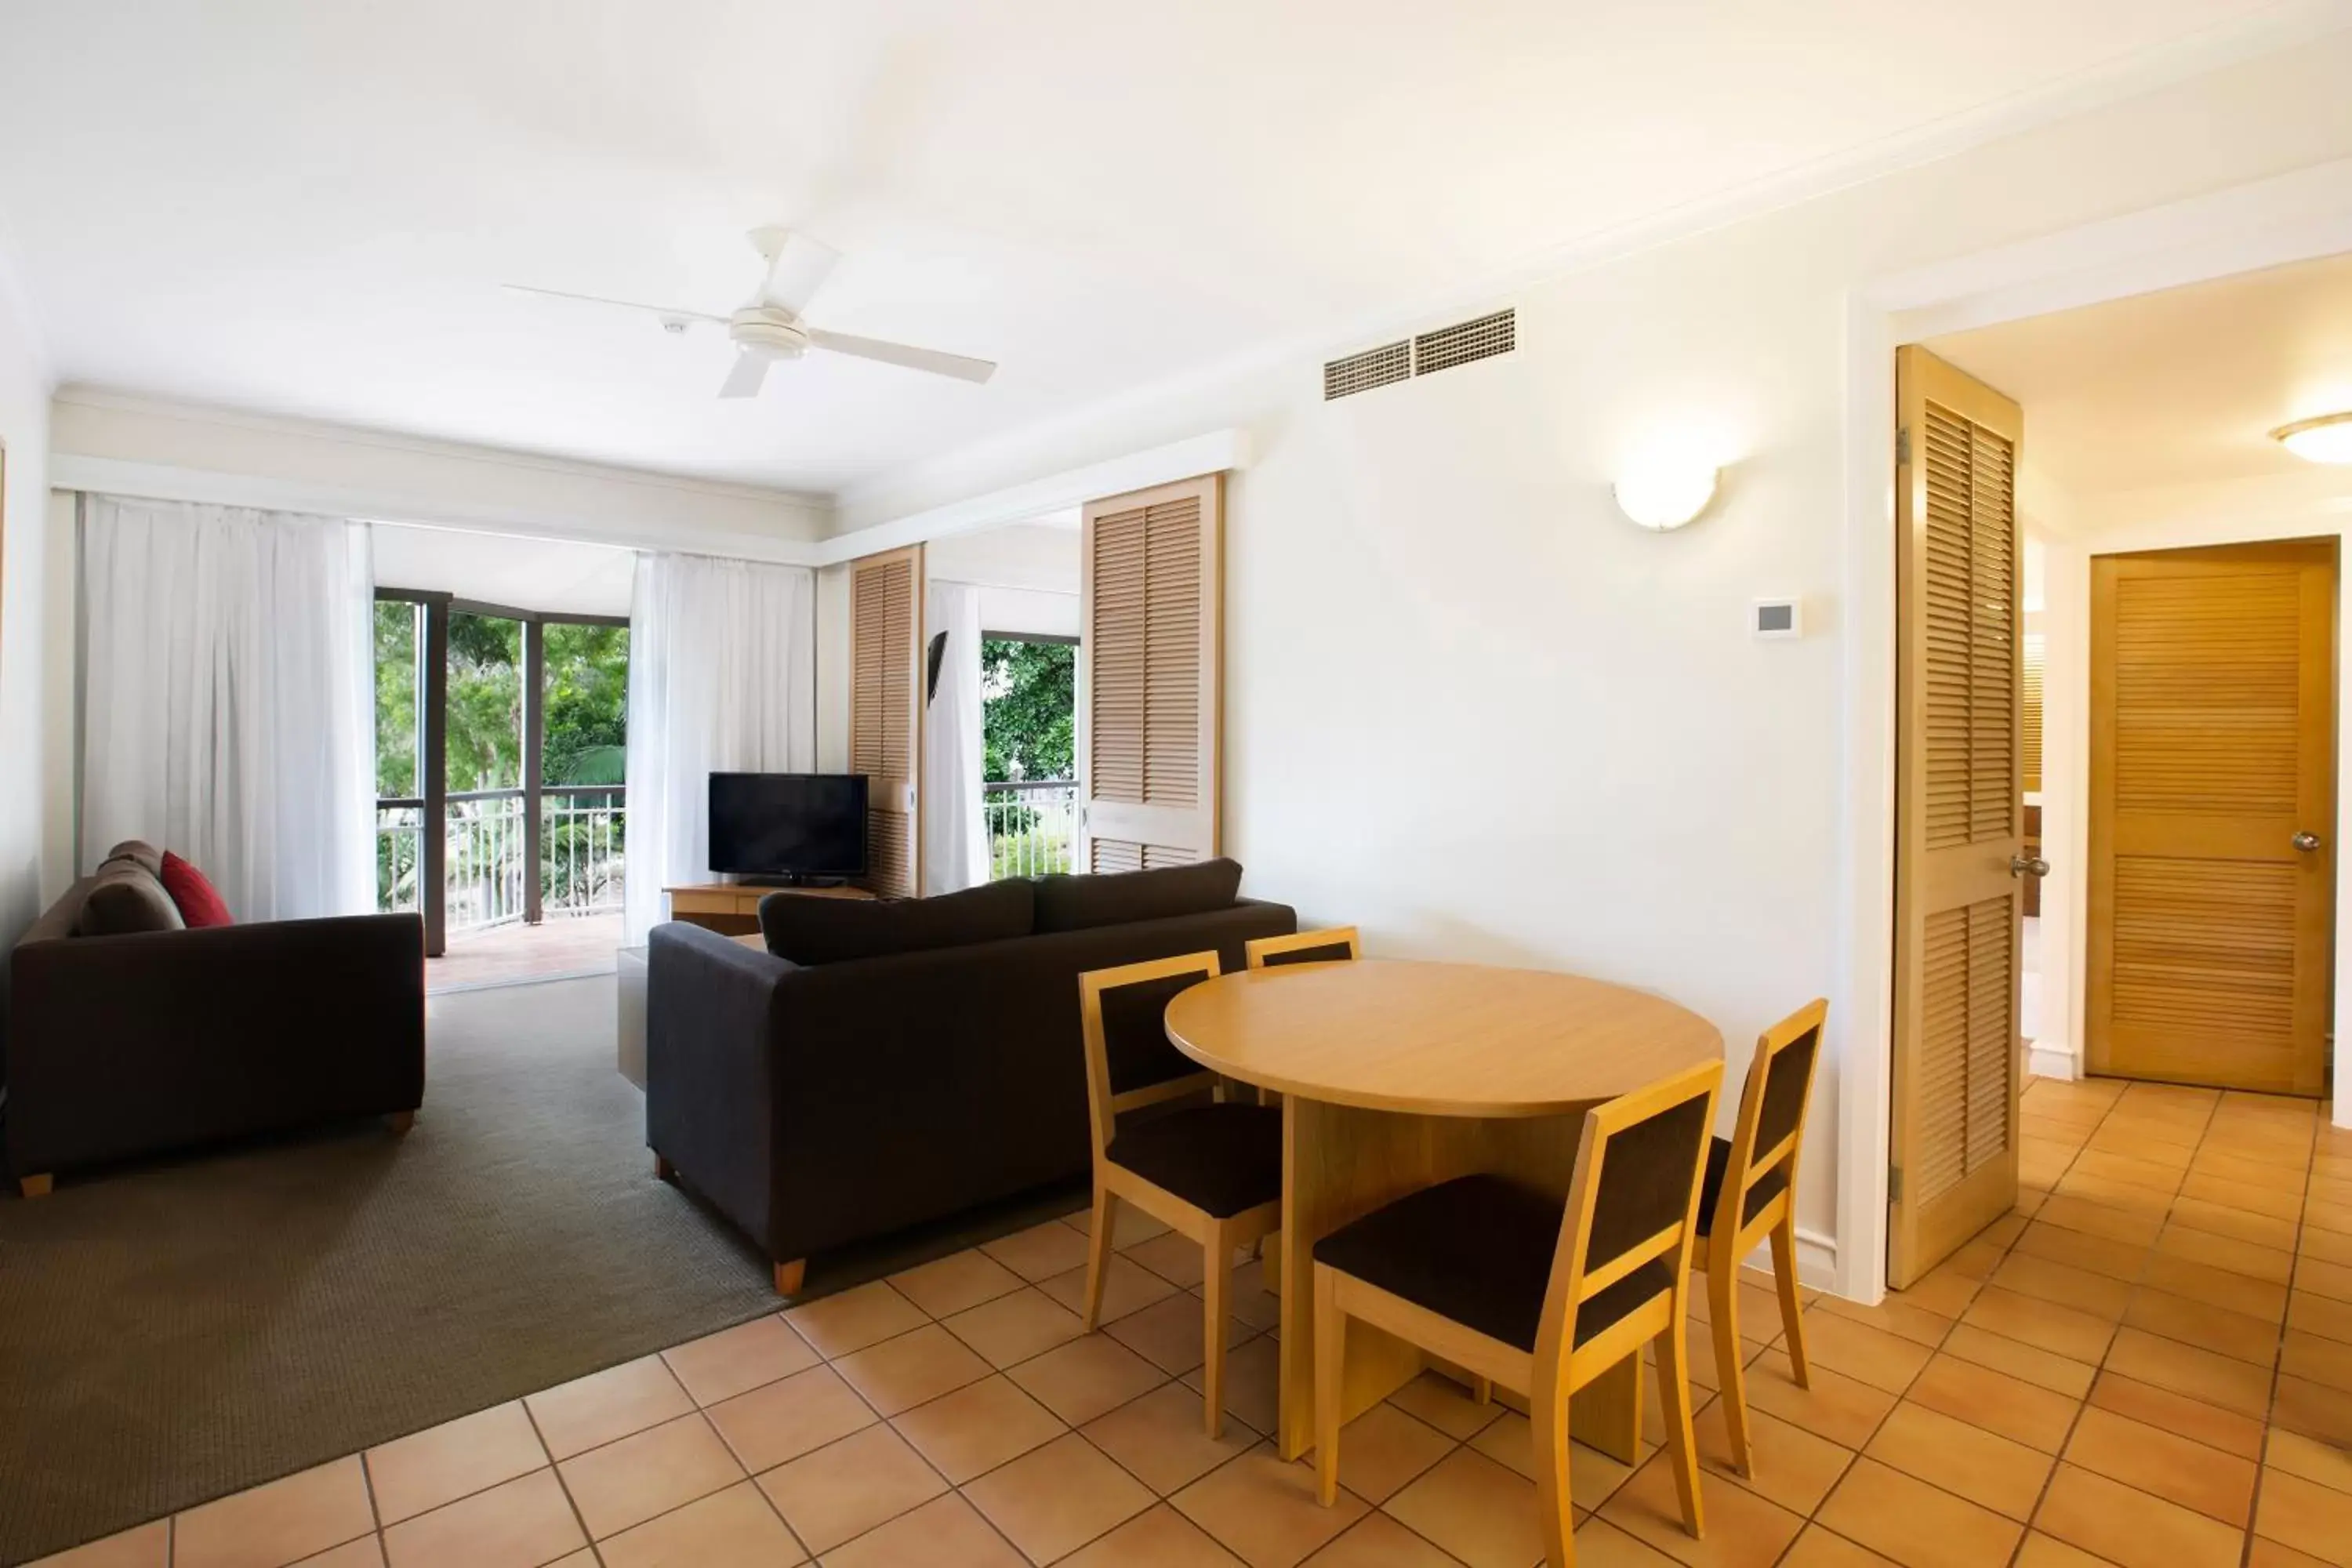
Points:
(1222, 1159)
(1478, 1251)
(1770, 1185)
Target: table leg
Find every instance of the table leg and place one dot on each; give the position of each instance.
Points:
(1339, 1164)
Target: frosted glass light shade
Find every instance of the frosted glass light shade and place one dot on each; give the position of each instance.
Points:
(2326, 439)
(1663, 493)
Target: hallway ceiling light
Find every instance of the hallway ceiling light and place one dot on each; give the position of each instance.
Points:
(2326, 439)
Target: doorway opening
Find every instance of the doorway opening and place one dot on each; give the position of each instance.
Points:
(502, 810)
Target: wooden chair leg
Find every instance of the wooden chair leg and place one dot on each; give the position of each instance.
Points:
(1674, 1406)
(1482, 1390)
(400, 1121)
(1104, 1220)
(1547, 1418)
(1215, 1285)
(791, 1276)
(1722, 1317)
(35, 1186)
(1331, 1363)
(1792, 1313)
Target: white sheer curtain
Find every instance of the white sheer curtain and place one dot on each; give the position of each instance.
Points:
(228, 700)
(722, 667)
(955, 854)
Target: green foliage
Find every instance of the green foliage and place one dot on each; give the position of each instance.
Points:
(397, 626)
(587, 704)
(484, 739)
(1029, 708)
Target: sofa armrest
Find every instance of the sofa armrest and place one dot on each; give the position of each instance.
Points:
(712, 1031)
(136, 1044)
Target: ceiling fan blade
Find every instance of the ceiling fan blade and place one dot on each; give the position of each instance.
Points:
(667, 312)
(797, 266)
(744, 381)
(931, 360)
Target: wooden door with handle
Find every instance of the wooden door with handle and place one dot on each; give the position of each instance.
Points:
(1150, 676)
(1958, 845)
(2212, 897)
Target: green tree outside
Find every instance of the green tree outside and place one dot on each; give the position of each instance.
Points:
(1029, 708)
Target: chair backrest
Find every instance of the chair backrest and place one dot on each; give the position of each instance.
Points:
(1635, 1197)
(1331, 944)
(1771, 1125)
(1123, 1017)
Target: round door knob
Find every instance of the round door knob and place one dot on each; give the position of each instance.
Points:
(2026, 866)
(2306, 842)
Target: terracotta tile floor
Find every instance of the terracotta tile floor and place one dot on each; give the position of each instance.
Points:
(505, 955)
(2149, 1364)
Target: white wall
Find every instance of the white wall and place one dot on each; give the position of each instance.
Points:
(24, 566)
(1474, 710)
(1028, 575)
(552, 575)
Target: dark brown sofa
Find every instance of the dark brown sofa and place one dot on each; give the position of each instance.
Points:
(142, 1042)
(873, 1088)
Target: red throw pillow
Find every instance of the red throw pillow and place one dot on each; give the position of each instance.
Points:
(200, 903)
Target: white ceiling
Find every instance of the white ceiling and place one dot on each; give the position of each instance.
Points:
(306, 206)
(2174, 395)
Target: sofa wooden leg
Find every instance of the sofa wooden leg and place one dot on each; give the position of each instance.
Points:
(35, 1186)
(400, 1121)
(664, 1169)
(789, 1277)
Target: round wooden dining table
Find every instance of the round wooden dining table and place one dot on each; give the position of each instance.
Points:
(1397, 1075)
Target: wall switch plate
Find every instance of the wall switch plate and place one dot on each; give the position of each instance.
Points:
(1777, 618)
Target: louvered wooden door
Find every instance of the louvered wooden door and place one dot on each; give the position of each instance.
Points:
(2212, 748)
(885, 713)
(1959, 611)
(1150, 693)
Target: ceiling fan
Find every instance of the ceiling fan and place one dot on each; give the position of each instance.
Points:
(770, 326)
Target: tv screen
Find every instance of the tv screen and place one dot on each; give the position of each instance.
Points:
(788, 824)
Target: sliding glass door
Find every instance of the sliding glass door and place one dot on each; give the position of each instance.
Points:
(506, 730)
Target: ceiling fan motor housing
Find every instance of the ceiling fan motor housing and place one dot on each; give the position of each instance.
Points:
(769, 329)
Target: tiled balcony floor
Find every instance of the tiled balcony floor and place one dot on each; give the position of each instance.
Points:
(2149, 1364)
(504, 955)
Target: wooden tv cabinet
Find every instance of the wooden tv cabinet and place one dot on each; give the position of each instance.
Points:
(732, 908)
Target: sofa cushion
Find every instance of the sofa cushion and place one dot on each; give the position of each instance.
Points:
(836, 930)
(125, 896)
(1122, 898)
(192, 894)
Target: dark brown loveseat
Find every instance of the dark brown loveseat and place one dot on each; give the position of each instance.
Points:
(925, 1058)
(145, 1041)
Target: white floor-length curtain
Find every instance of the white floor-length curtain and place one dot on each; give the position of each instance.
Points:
(722, 667)
(228, 708)
(955, 850)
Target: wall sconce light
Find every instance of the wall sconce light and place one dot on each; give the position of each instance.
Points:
(2326, 439)
(1664, 489)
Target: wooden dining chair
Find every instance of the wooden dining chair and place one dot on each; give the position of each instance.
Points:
(1750, 1195)
(1536, 1295)
(1211, 1172)
(1329, 945)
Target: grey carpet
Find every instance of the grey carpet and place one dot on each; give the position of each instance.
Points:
(175, 1332)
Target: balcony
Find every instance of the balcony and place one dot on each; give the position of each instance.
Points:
(582, 849)
(1032, 824)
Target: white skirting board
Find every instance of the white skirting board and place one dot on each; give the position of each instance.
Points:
(1816, 1260)
(2052, 1061)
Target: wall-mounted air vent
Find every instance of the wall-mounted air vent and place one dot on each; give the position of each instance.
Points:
(1481, 339)
(1363, 371)
(1439, 350)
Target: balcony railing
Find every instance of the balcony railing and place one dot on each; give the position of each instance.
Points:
(583, 838)
(1033, 825)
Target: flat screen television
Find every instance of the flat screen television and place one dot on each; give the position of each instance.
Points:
(788, 826)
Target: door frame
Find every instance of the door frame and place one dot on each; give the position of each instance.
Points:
(2265, 222)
